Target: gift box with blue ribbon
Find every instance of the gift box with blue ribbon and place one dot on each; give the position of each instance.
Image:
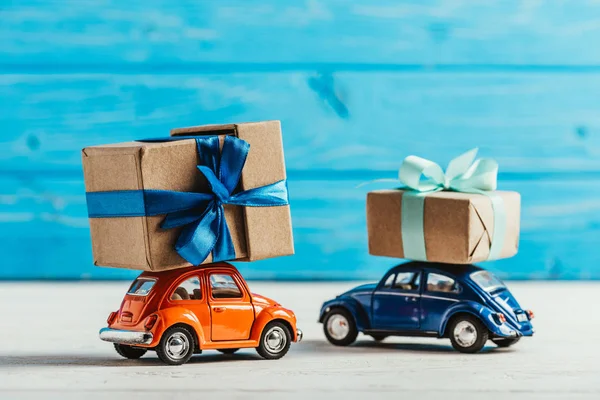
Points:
(217, 193)
(455, 217)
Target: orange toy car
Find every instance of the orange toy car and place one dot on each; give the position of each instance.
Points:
(181, 312)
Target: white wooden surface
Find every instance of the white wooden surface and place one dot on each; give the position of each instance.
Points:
(49, 349)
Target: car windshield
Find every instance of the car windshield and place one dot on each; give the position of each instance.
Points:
(487, 281)
(141, 286)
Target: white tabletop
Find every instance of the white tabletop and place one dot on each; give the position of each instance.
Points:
(49, 348)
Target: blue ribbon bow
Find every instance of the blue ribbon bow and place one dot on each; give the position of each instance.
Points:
(202, 215)
(464, 174)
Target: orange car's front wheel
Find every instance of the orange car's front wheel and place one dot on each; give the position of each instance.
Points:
(275, 341)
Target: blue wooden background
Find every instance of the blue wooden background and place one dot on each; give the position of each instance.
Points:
(358, 85)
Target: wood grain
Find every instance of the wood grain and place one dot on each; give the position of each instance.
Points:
(112, 32)
(69, 362)
(44, 232)
(357, 86)
(345, 121)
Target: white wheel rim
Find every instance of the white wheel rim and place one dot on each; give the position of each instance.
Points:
(465, 334)
(275, 340)
(177, 346)
(338, 326)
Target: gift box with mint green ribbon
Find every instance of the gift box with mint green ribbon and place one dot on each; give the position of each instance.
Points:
(455, 216)
(219, 193)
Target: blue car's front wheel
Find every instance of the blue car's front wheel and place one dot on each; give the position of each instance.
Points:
(339, 327)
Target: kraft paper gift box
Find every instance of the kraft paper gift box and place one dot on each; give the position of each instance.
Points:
(454, 216)
(136, 171)
(457, 227)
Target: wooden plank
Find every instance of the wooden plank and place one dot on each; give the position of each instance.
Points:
(107, 33)
(64, 358)
(44, 232)
(342, 121)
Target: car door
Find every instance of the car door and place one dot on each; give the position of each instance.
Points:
(440, 292)
(188, 293)
(231, 310)
(396, 302)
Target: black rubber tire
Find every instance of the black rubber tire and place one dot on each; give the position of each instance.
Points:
(262, 348)
(129, 352)
(161, 349)
(482, 334)
(352, 331)
(227, 351)
(378, 337)
(502, 342)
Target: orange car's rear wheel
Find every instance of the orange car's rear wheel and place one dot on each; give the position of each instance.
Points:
(275, 341)
(176, 346)
(129, 352)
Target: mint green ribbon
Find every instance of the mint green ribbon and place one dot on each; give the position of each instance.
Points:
(464, 174)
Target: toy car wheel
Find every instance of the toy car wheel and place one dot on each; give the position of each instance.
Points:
(339, 327)
(176, 346)
(227, 351)
(505, 342)
(468, 334)
(275, 341)
(378, 338)
(129, 352)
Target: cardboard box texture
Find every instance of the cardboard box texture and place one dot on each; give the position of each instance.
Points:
(458, 226)
(140, 242)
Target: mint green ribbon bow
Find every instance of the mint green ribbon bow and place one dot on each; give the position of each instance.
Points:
(464, 174)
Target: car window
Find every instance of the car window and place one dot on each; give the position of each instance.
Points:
(389, 281)
(441, 283)
(223, 286)
(407, 281)
(188, 290)
(487, 281)
(141, 286)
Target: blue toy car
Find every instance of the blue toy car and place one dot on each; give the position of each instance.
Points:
(464, 303)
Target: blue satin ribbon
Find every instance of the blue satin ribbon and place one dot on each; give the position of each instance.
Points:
(464, 174)
(202, 215)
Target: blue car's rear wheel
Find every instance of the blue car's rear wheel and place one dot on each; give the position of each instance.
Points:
(339, 327)
(467, 334)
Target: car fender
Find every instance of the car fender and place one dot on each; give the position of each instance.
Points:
(484, 314)
(269, 314)
(351, 305)
(177, 315)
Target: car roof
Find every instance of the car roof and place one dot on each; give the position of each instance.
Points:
(176, 273)
(457, 270)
